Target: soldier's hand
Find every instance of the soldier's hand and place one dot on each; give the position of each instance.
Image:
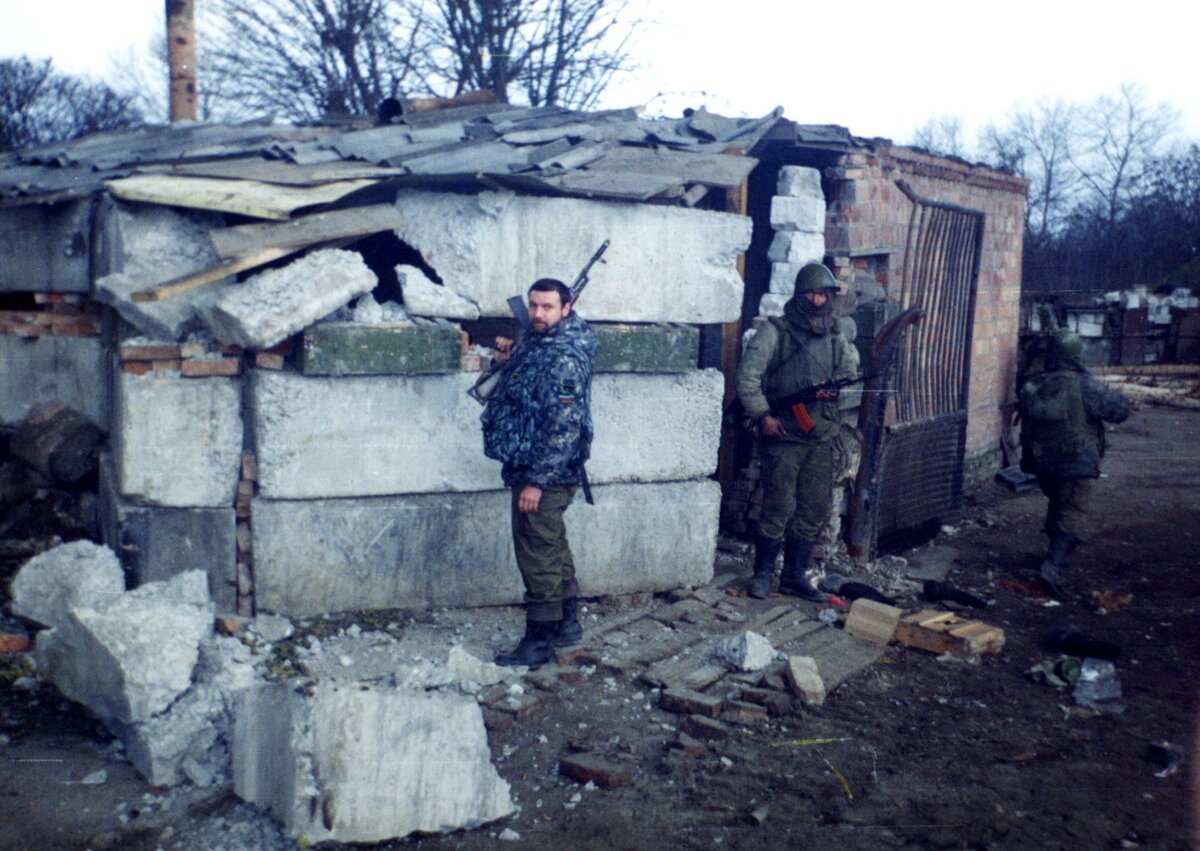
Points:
(529, 499)
(828, 390)
(502, 351)
(770, 426)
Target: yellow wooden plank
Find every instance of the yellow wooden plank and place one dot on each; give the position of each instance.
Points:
(306, 230)
(244, 197)
(215, 273)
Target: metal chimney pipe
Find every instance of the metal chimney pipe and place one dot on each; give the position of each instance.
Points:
(181, 58)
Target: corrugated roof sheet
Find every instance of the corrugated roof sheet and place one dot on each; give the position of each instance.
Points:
(612, 154)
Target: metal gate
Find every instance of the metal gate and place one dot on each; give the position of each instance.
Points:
(921, 469)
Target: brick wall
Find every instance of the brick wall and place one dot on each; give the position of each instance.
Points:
(866, 232)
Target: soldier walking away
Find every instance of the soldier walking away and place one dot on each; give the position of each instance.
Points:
(538, 423)
(1063, 411)
(800, 351)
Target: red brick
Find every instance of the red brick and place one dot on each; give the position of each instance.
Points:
(704, 728)
(149, 351)
(11, 642)
(690, 746)
(741, 712)
(207, 367)
(687, 702)
(586, 767)
(268, 360)
(249, 467)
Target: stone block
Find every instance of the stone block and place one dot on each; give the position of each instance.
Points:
(364, 762)
(271, 306)
(746, 651)
(799, 213)
(410, 348)
(177, 441)
(772, 304)
(805, 680)
(387, 435)
(128, 657)
(789, 246)
(52, 583)
(45, 369)
(665, 264)
(156, 543)
(646, 348)
(799, 181)
(422, 297)
(872, 621)
(448, 549)
(783, 278)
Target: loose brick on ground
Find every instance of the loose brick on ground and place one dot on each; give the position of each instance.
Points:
(687, 702)
(705, 728)
(585, 768)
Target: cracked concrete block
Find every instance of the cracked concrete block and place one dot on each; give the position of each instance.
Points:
(271, 306)
(789, 246)
(52, 583)
(664, 264)
(446, 549)
(422, 297)
(800, 213)
(783, 278)
(365, 762)
(45, 369)
(799, 181)
(772, 304)
(177, 441)
(128, 657)
(385, 435)
(805, 680)
(157, 244)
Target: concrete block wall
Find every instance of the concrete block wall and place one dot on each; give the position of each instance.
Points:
(867, 232)
(798, 221)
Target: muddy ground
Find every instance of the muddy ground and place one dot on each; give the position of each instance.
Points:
(911, 753)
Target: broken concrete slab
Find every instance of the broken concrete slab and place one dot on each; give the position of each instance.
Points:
(772, 304)
(932, 562)
(799, 213)
(365, 762)
(789, 246)
(154, 244)
(410, 348)
(800, 181)
(646, 348)
(52, 583)
(44, 369)
(467, 668)
(665, 264)
(746, 651)
(177, 441)
(269, 307)
(805, 680)
(388, 435)
(422, 297)
(447, 549)
(128, 657)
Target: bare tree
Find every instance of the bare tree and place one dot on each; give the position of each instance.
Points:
(39, 105)
(941, 135)
(1035, 144)
(308, 59)
(582, 45)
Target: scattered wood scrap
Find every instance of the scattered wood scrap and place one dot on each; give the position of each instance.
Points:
(306, 230)
(945, 632)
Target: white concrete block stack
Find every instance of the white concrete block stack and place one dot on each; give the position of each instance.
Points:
(798, 219)
(373, 491)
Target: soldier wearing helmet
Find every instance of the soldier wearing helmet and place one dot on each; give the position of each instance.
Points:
(798, 350)
(1063, 411)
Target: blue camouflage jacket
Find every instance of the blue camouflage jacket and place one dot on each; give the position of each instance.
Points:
(539, 421)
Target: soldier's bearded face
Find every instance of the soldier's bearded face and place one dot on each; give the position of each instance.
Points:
(546, 310)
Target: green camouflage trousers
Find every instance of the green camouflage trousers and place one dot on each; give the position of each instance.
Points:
(1068, 508)
(797, 488)
(543, 553)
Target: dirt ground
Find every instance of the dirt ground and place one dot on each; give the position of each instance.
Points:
(913, 753)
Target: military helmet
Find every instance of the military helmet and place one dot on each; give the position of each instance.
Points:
(814, 276)
(1066, 344)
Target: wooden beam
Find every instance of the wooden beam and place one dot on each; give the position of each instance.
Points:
(244, 197)
(198, 279)
(306, 230)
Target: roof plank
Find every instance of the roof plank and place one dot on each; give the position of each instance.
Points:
(245, 197)
(722, 170)
(306, 230)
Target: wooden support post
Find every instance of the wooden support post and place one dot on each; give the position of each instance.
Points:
(181, 58)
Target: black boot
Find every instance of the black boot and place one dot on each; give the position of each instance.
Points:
(534, 648)
(766, 551)
(1055, 567)
(570, 632)
(796, 553)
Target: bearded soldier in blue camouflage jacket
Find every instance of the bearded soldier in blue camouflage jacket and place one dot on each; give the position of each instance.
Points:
(539, 424)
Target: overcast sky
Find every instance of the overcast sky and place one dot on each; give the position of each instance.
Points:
(879, 68)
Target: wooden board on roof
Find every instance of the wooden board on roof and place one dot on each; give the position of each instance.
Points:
(280, 171)
(244, 197)
(723, 170)
(306, 230)
(609, 184)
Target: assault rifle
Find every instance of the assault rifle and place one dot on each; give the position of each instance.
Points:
(491, 380)
(793, 403)
(517, 303)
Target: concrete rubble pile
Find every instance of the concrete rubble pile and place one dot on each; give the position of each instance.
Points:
(366, 484)
(365, 748)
